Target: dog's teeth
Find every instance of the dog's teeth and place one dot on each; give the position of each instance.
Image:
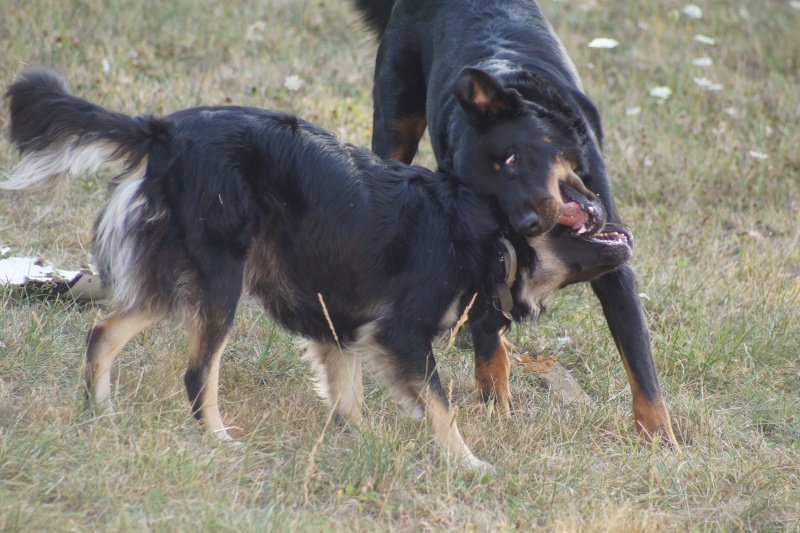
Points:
(582, 230)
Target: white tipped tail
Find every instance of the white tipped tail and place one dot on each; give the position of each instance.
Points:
(60, 136)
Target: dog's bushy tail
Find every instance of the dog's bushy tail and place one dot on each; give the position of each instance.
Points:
(375, 14)
(60, 136)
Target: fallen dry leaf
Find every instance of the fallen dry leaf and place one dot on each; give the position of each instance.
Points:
(537, 363)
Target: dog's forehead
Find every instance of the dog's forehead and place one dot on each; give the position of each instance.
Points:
(520, 133)
(528, 130)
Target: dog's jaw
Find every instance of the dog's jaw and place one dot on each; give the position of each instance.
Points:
(536, 285)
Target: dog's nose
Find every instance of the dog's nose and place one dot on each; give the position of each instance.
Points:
(530, 225)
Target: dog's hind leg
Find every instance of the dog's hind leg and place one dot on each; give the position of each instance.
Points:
(207, 341)
(103, 343)
(338, 378)
(399, 117)
(217, 295)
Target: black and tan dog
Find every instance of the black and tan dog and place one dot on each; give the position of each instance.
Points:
(505, 110)
(366, 259)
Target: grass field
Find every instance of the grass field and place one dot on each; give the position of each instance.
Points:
(707, 179)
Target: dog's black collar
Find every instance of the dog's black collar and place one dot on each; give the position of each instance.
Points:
(508, 261)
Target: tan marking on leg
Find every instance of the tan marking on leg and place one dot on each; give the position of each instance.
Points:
(651, 416)
(652, 419)
(442, 421)
(418, 395)
(407, 131)
(209, 407)
(338, 378)
(491, 377)
(104, 342)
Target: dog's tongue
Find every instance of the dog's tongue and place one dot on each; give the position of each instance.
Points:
(573, 216)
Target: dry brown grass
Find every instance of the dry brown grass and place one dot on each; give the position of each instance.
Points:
(717, 256)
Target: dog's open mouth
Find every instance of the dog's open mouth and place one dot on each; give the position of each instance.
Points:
(586, 218)
(613, 234)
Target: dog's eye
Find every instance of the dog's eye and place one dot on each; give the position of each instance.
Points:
(512, 160)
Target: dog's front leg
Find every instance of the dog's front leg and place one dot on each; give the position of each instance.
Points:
(405, 364)
(492, 368)
(623, 310)
(442, 421)
(338, 378)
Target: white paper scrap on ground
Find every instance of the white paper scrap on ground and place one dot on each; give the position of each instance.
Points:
(33, 274)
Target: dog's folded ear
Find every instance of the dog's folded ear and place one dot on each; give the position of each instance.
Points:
(484, 98)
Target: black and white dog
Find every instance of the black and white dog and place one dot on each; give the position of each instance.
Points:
(366, 259)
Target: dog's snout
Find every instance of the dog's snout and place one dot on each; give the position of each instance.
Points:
(534, 218)
(530, 225)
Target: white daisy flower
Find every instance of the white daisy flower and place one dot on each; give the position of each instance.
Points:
(706, 83)
(693, 11)
(293, 83)
(662, 93)
(704, 39)
(255, 30)
(603, 42)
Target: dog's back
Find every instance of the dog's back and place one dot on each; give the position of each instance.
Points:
(246, 187)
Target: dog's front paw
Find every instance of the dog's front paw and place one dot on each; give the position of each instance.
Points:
(104, 409)
(494, 403)
(473, 464)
